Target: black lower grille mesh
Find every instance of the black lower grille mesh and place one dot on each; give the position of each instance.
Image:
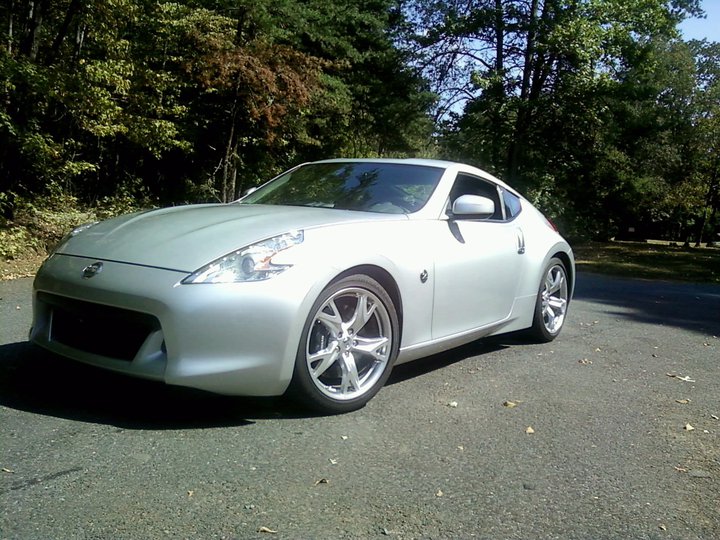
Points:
(98, 329)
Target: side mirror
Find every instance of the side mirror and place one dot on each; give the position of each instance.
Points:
(473, 206)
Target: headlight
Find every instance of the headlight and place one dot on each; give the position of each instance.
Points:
(77, 230)
(252, 263)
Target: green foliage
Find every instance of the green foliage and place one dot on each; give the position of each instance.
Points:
(16, 242)
(592, 107)
(39, 224)
(196, 99)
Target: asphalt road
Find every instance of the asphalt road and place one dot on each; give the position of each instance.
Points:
(92, 455)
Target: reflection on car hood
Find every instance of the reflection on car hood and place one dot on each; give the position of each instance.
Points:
(187, 237)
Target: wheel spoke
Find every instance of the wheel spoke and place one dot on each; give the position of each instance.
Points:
(375, 347)
(557, 303)
(364, 310)
(350, 376)
(333, 320)
(556, 284)
(326, 357)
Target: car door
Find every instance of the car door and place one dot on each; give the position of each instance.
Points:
(478, 264)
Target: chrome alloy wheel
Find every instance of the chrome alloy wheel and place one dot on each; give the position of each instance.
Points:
(554, 298)
(349, 344)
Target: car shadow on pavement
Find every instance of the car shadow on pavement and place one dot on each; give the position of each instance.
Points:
(691, 306)
(36, 381)
(429, 364)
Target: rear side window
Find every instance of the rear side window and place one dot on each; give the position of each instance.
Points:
(512, 204)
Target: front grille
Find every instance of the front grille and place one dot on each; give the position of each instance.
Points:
(98, 329)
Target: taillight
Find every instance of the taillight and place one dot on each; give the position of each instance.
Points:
(550, 223)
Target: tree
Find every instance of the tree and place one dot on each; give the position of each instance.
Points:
(197, 100)
(530, 88)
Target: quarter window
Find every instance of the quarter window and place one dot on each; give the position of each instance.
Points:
(512, 204)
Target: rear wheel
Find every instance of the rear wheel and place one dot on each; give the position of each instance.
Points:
(348, 346)
(552, 302)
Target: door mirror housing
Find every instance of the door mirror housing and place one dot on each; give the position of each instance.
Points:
(473, 206)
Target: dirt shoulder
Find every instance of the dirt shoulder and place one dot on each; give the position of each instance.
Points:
(20, 267)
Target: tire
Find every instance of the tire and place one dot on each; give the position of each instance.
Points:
(347, 348)
(551, 304)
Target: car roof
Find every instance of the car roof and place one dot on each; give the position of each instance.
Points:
(438, 163)
(425, 162)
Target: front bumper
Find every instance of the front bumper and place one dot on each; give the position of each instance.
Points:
(237, 339)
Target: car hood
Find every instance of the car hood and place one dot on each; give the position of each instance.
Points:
(185, 238)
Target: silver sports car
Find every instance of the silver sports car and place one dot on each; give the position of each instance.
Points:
(315, 284)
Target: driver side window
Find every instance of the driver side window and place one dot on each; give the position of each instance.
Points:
(466, 184)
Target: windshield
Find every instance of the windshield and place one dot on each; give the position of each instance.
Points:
(393, 188)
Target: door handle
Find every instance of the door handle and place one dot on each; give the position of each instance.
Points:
(520, 242)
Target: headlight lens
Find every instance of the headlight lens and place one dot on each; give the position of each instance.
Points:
(251, 263)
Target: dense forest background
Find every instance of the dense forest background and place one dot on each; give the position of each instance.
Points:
(595, 109)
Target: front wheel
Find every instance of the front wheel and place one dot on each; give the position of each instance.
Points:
(348, 346)
(552, 303)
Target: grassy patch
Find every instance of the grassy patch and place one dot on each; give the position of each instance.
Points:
(650, 261)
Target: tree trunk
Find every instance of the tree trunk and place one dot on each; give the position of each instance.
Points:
(79, 40)
(498, 87)
(522, 121)
(72, 11)
(35, 19)
(499, 38)
(229, 175)
(10, 27)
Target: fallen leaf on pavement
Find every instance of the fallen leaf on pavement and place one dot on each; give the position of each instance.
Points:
(190, 493)
(322, 481)
(529, 430)
(686, 378)
(714, 417)
(682, 401)
(6, 470)
(453, 404)
(585, 362)
(266, 530)
(439, 493)
(688, 427)
(680, 469)
(510, 404)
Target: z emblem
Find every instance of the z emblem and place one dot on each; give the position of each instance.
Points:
(92, 270)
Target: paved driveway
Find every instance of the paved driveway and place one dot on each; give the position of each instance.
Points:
(88, 454)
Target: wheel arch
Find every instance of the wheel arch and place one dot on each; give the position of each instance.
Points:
(385, 279)
(569, 268)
